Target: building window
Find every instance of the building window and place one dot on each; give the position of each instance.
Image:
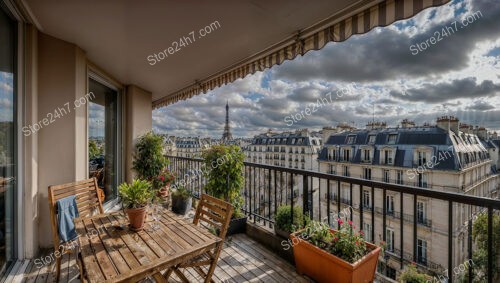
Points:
(392, 138)
(366, 155)
(387, 176)
(350, 139)
(367, 173)
(422, 158)
(346, 171)
(389, 204)
(399, 177)
(366, 199)
(332, 169)
(421, 212)
(367, 230)
(422, 252)
(346, 154)
(389, 235)
(388, 157)
(422, 180)
(390, 273)
(371, 139)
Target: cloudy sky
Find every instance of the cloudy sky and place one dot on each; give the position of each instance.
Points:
(458, 75)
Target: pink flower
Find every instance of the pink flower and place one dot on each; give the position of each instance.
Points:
(357, 243)
(340, 221)
(361, 232)
(162, 178)
(350, 222)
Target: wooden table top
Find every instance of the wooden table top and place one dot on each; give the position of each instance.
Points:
(111, 252)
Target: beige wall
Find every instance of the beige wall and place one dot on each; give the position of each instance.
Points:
(61, 144)
(138, 119)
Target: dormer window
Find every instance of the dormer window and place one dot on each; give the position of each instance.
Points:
(371, 139)
(366, 155)
(350, 139)
(387, 157)
(392, 138)
(422, 158)
(346, 155)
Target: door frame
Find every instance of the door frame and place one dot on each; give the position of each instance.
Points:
(100, 76)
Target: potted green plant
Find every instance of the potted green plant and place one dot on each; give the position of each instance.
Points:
(181, 200)
(135, 197)
(284, 225)
(225, 180)
(323, 253)
(149, 161)
(411, 275)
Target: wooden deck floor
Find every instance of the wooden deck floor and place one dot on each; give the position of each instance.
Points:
(242, 260)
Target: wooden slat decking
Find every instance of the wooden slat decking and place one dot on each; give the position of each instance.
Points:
(241, 260)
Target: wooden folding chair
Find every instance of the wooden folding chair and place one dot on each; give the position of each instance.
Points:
(88, 204)
(214, 213)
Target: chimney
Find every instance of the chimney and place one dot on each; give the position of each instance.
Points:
(327, 132)
(376, 125)
(448, 123)
(407, 124)
(482, 133)
(465, 128)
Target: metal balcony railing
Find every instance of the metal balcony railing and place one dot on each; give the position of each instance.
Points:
(313, 192)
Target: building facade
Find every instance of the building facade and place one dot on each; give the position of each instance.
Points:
(439, 157)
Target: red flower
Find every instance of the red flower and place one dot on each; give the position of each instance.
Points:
(340, 221)
(335, 239)
(162, 178)
(350, 222)
(357, 243)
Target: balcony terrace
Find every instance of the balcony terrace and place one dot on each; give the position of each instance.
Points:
(268, 187)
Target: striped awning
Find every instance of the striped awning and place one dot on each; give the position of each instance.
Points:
(380, 14)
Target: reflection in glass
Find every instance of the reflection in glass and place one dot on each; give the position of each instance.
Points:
(103, 137)
(7, 138)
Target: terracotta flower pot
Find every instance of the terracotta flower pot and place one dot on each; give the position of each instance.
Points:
(136, 218)
(323, 266)
(164, 192)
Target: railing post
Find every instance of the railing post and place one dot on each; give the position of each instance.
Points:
(469, 248)
(450, 241)
(305, 196)
(490, 244)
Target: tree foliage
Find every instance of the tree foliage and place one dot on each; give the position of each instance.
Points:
(224, 164)
(149, 160)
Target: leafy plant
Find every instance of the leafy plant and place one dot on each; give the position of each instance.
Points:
(225, 174)
(411, 275)
(137, 194)
(480, 254)
(344, 243)
(182, 192)
(149, 160)
(284, 218)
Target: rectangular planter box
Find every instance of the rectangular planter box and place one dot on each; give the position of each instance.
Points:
(322, 266)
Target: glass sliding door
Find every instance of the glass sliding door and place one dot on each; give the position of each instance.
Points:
(7, 137)
(103, 137)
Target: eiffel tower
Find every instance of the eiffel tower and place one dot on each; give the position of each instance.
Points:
(226, 136)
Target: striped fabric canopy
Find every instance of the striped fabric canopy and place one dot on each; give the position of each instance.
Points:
(381, 14)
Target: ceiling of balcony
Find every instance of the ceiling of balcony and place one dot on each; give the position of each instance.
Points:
(119, 35)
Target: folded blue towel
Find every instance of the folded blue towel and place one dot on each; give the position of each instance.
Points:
(67, 211)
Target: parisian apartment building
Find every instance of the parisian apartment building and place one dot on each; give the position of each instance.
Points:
(447, 156)
(298, 149)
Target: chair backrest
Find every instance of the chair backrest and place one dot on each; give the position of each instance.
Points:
(87, 201)
(214, 212)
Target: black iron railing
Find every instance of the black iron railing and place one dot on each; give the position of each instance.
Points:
(267, 187)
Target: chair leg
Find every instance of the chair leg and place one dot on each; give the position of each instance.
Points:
(168, 273)
(181, 275)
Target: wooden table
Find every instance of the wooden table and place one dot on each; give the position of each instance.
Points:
(111, 252)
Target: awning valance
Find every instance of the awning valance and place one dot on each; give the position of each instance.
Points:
(380, 14)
